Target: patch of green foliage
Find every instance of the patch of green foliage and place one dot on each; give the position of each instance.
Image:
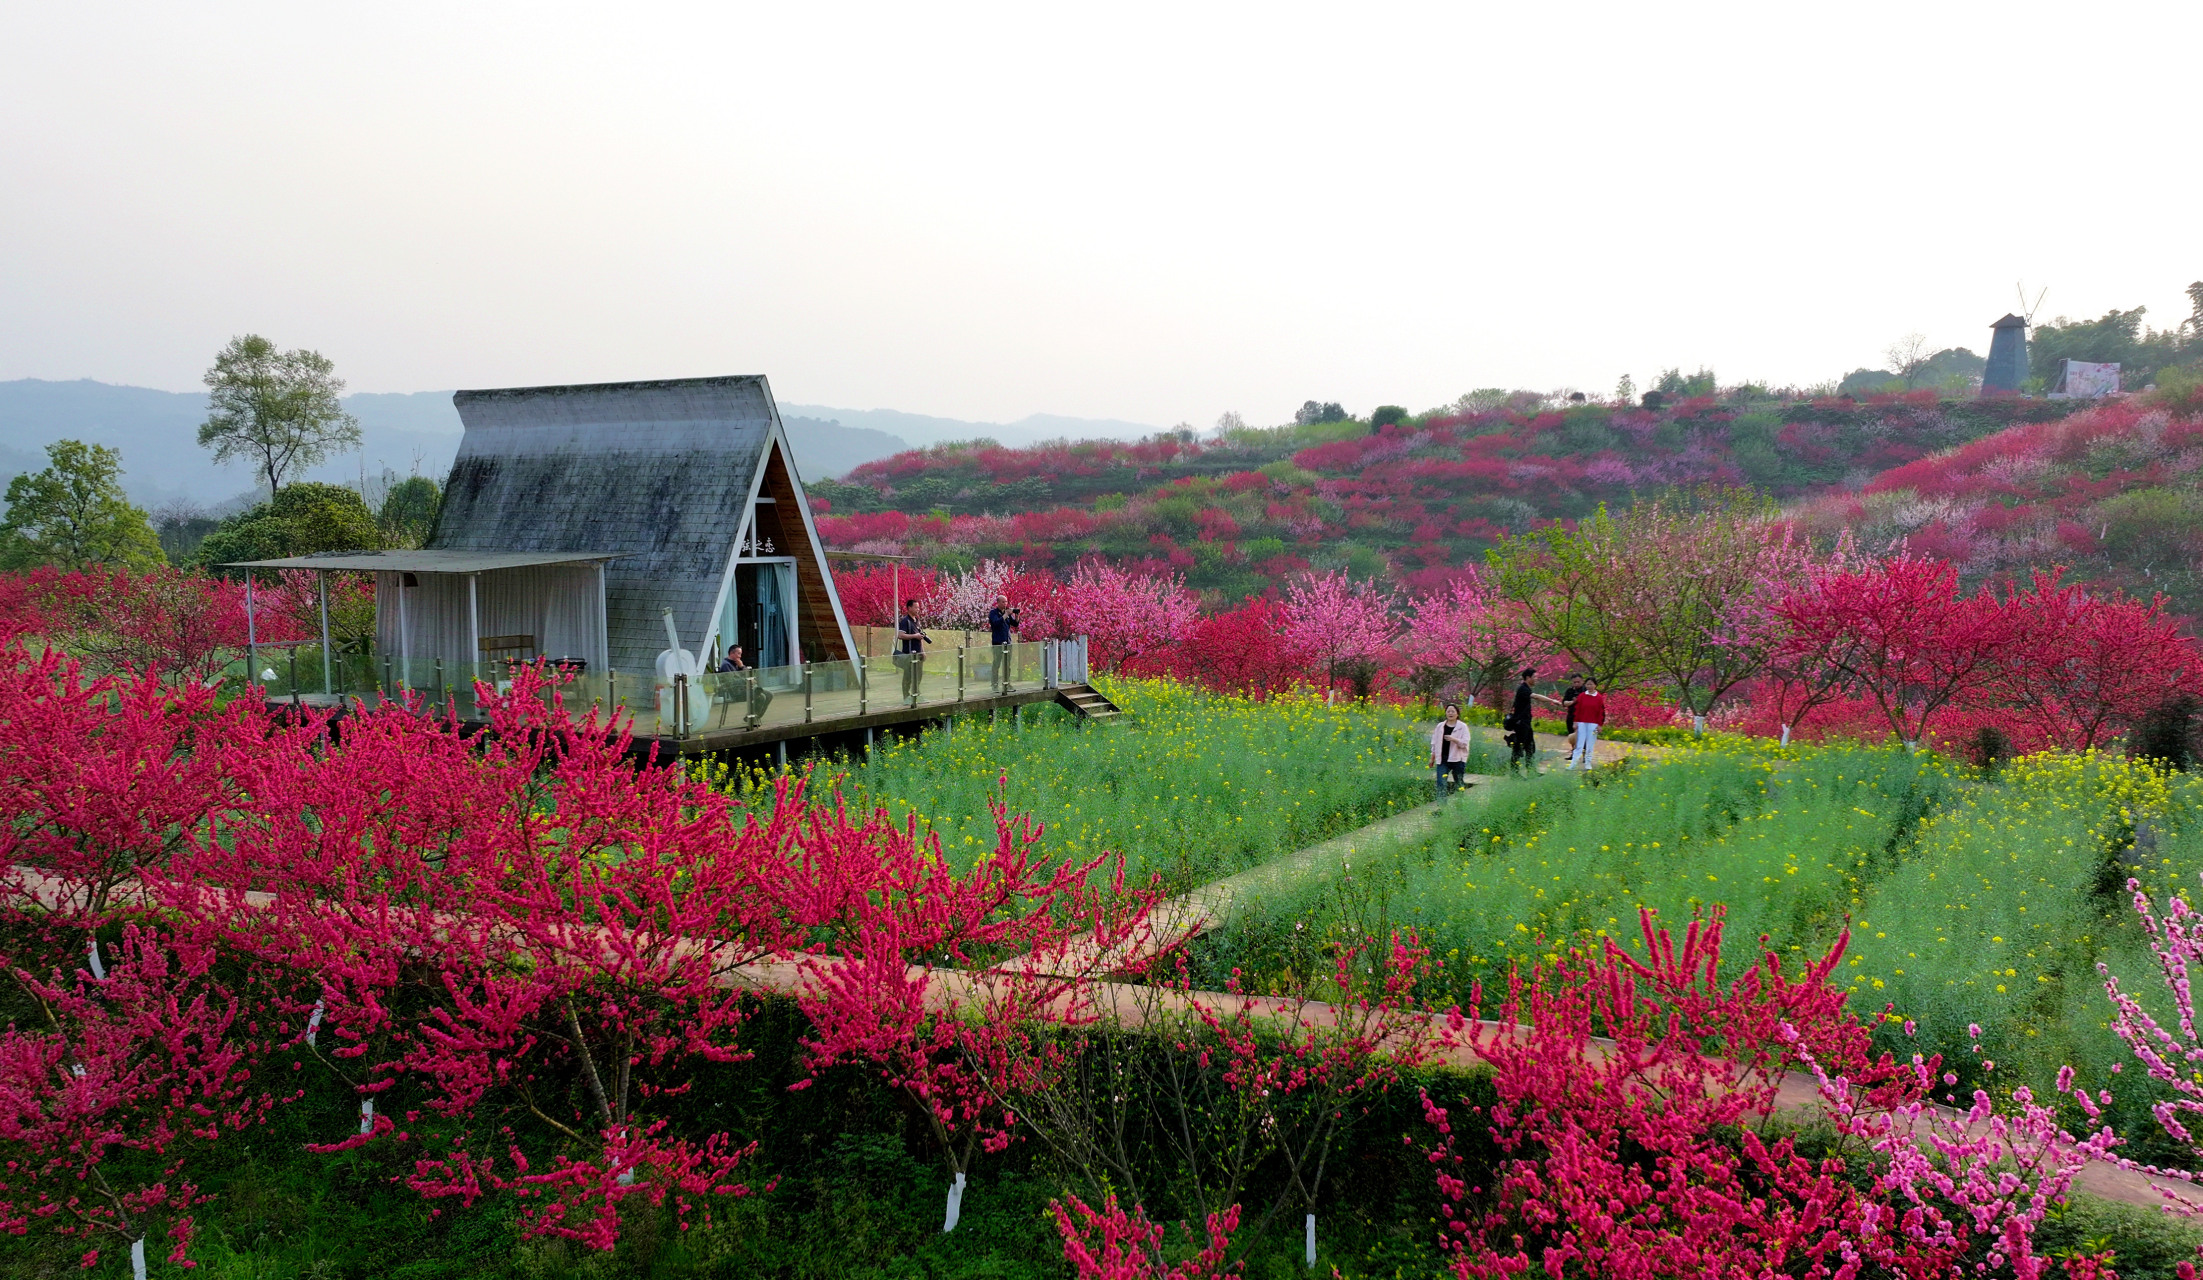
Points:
(1189, 785)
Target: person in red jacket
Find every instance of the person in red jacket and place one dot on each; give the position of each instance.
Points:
(1590, 714)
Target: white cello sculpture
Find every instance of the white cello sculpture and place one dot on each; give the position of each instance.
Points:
(674, 663)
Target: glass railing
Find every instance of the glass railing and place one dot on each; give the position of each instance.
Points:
(716, 702)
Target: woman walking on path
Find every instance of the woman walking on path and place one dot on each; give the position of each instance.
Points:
(1449, 752)
(1590, 714)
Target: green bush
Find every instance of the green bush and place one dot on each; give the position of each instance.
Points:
(305, 518)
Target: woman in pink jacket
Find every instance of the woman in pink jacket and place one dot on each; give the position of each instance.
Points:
(1449, 752)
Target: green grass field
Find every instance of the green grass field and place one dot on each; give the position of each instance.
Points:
(1189, 786)
(1970, 898)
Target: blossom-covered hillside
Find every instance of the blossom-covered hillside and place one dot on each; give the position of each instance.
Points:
(2115, 491)
(1237, 511)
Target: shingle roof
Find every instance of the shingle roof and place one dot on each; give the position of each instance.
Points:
(426, 561)
(656, 472)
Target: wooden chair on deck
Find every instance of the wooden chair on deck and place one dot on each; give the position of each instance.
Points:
(508, 650)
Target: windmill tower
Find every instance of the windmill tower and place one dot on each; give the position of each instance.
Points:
(2007, 371)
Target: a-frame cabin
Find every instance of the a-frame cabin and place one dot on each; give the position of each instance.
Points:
(689, 483)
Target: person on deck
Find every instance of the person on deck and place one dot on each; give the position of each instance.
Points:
(910, 643)
(748, 692)
(1590, 714)
(1001, 621)
(1449, 752)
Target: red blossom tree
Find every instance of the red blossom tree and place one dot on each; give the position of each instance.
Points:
(105, 778)
(1242, 650)
(505, 930)
(126, 1079)
(2088, 664)
(1111, 1244)
(872, 595)
(947, 981)
(1899, 632)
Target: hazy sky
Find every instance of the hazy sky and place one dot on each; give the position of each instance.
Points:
(1148, 212)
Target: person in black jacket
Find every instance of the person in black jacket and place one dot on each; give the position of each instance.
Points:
(910, 651)
(1521, 739)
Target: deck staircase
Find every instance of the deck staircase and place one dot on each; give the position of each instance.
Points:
(1086, 702)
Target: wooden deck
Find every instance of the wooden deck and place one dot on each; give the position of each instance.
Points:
(787, 720)
(840, 720)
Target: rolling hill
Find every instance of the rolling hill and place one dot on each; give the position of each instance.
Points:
(1411, 502)
(2113, 492)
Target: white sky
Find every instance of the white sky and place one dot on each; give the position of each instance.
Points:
(1153, 212)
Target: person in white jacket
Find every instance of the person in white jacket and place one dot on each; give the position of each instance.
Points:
(1449, 752)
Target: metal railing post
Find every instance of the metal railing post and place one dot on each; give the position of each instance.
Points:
(680, 705)
(806, 693)
(864, 686)
(961, 651)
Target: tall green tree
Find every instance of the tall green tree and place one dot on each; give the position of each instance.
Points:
(1574, 587)
(408, 512)
(279, 410)
(306, 518)
(73, 514)
(2120, 338)
(1692, 573)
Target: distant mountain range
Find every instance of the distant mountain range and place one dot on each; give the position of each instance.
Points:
(157, 434)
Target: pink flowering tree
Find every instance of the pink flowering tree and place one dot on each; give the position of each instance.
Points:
(1978, 1178)
(1470, 634)
(1797, 673)
(963, 600)
(1344, 626)
(1126, 613)
(1691, 587)
(2167, 1050)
